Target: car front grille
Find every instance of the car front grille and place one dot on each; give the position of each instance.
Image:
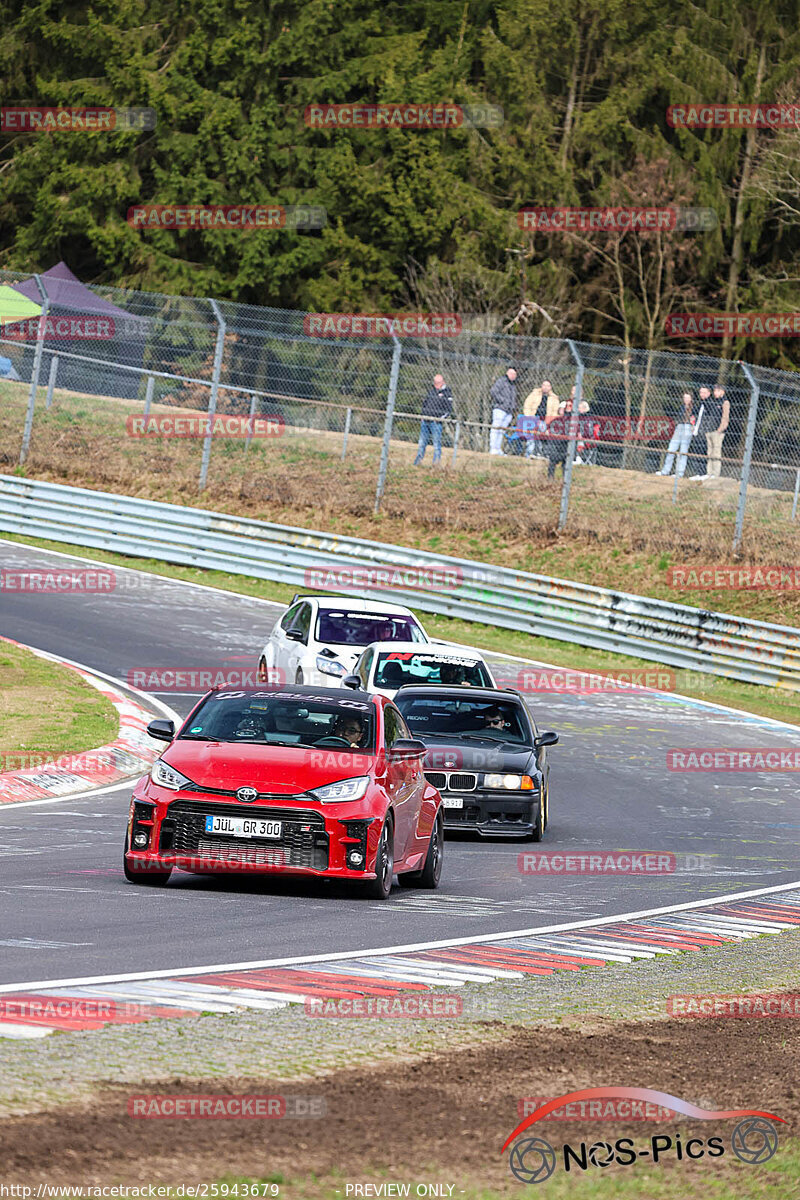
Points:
(276, 797)
(303, 841)
(452, 781)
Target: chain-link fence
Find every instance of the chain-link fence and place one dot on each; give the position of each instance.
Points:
(592, 429)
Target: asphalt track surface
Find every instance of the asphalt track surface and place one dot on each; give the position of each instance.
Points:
(66, 910)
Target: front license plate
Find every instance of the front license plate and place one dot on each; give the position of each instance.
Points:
(243, 827)
(453, 801)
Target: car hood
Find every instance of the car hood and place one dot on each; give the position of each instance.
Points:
(281, 769)
(478, 756)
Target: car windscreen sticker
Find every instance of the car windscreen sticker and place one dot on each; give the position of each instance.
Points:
(196, 729)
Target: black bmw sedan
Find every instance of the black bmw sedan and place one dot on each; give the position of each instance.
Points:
(485, 755)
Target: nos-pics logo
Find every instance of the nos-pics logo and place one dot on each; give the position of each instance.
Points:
(532, 1159)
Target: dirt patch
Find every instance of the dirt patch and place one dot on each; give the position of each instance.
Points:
(452, 1110)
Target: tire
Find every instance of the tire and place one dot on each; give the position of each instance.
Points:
(380, 887)
(146, 878)
(538, 829)
(431, 873)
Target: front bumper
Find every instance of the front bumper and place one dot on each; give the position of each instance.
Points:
(310, 842)
(504, 814)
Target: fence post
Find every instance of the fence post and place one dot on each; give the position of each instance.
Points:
(574, 425)
(748, 455)
(456, 439)
(387, 428)
(212, 400)
(348, 416)
(37, 363)
(51, 382)
(148, 395)
(249, 437)
(796, 492)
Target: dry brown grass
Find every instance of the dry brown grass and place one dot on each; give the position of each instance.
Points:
(623, 529)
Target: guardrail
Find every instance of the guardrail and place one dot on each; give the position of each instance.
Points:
(674, 634)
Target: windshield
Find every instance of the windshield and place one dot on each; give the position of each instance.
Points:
(339, 627)
(396, 667)
(456, 719)
(281, 718)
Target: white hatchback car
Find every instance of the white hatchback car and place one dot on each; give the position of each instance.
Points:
(319, 638)
(385, 666)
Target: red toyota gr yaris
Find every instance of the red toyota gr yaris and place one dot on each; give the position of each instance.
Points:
(299, 780)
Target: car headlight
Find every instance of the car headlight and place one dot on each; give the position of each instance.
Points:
(510, 783)
(329, 666)
(167, 777)
(345, 789)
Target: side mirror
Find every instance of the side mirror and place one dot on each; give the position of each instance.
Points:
(164, 731)
(352, 681)
(545, 739)
(408, 748)
(294, 635)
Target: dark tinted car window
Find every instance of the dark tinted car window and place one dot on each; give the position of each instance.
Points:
(282, 717)
(440, 716)
(396, 667)
(340, 627)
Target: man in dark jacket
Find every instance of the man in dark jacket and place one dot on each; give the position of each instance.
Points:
(504, 403)
(436, 407)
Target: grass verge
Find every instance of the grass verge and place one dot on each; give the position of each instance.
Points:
(47, 710)
(768, 702)
(625, 528)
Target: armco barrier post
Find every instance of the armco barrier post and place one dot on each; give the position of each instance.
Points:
(51, 382)
(148, 394)
(248, 439)
(37, 364)
(347, 419)
(748, 455)
(387, 428)
(212, 400)
(456, 439)
(574, 425)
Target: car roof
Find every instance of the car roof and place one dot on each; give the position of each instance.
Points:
(429, 648)
(430, 691)
(357, 604)
(290, 691)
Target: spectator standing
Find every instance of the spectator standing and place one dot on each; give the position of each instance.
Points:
(539, 404)
(504, 401)
(683, 416)
(436, 407)
(717, 416)
(559, 436)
